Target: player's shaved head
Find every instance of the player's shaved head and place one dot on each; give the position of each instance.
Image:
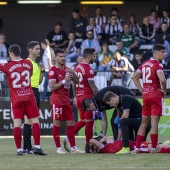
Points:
(87, 52)
(15, 49)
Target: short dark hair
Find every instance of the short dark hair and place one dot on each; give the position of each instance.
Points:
(59, 24)
(108, 95)
(98, 7)
(15, 49)
(76, 11)
(32, 44)
(58, 50)
(86, 103)
(115, 9)
(158, 47)
(88, 51)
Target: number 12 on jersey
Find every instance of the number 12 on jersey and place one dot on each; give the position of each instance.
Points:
(146, 73)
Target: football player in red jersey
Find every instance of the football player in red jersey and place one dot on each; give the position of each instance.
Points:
(85, 89)
(153, 91)
(60, 78)
(18, 73)
(108, 145)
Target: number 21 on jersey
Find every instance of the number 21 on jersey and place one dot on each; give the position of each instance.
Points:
(146, 72)
(80, 76)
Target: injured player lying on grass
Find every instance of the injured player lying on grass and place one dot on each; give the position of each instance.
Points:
(108, 145)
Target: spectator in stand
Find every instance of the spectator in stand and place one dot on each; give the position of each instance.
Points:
(78, 26)
(3, 48)
(123, 50)
(134, 26)
(71, 50)
(146, 32)
(93, 26)
(100, 38)
(165, 31)
(115, 11)
(79, 60)
(166, 17)
(154, 19)
(46, 58)
(122, 65)
(104, 56)
(90, 42)
(138, 60)
(57, 37)
(100, 19)
(159, 39)
(128, 39)
(112, 30)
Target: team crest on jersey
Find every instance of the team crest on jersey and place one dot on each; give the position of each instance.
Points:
(60, 75)
(51, 73)
(91, 71)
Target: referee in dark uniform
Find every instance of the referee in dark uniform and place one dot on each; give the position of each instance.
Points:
(96, 103)
(130, 113)
(33, 48)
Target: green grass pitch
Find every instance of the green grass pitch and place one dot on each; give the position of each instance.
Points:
(9, 160)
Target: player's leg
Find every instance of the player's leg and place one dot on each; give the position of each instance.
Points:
(27, 132)
(80, 124)
(17, 136)
(154, 132)
(31, 111)
(156, 112)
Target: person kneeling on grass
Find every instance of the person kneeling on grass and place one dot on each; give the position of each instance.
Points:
(108, 145)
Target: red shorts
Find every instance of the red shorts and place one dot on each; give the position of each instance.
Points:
(84, 114)
(28, 108)
(152, 106)
(61, 112)
(116, 147)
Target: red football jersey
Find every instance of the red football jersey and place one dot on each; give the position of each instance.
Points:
(18, 74)
(151, 83)
(61, 95)
(85, 73)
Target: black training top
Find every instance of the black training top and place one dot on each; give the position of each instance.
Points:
(131, 103)
(98, 98)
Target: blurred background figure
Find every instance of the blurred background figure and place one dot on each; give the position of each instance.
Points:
(134, 26)
(46, 58)
(3, 48)
(57, 37)
(165, 17)
(93, 26)
(138, 60)
(72, 51)
(154, 19)
(104, 57)
(100, 19)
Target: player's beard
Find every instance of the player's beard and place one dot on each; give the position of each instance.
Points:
(91, 61)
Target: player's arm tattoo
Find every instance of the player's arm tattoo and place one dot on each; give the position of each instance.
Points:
(93, 86)
(104, 123)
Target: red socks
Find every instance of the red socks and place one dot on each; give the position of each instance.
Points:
(154, 139)
(17, 137)
(70, 135)
(165, 150)
(89, 130)
(56, 135)
(139, 140)
(78, 126)
(36, 133)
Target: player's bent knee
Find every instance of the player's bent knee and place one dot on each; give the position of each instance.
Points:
(70, 123)
(34, 120)
(17, 122)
